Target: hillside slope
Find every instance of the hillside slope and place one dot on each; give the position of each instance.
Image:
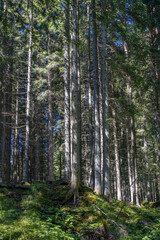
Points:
(37, 213)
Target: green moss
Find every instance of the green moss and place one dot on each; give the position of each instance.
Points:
(37, 214)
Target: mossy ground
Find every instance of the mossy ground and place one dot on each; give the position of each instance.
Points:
(37, 213)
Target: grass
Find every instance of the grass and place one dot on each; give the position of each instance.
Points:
(37, 213)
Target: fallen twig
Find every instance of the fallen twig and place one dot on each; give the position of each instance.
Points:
(108, 217)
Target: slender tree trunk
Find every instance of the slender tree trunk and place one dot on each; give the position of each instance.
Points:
(15, 150)
(37, 143)
(67, 160)
(106, 180)
(9, 113)
(100, 109)
(60, 158)
(91, 178)
(134, 160)
(26, 173)
(79, 86)
(50, 118)
(97, 159)
(148, 196)
(130, 168)
(117, 164)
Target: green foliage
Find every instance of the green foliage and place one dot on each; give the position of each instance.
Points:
(37, 214)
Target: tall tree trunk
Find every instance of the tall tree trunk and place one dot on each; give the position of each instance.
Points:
(75, 166)
(91, 177)
(79, 86)
(154, 33)
(106, 180)
(97, 160)
(67, 160)
(4, 89)
(100, 108)
(50, 118)
(26, 173)
(7, 99)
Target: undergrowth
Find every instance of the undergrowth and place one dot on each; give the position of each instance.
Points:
(37, 214)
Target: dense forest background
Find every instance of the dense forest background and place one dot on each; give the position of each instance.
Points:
(80, 95)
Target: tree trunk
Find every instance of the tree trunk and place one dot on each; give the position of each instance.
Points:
(91, 177)
(26, 173)
(106, 180)
(148, 195)
(67, 160)
(79, 86)
(134, 160)
(130, 167)
(75, 167)
(37, 143)
(97, 160)
(50, 118)
(117, 164)
(15, 151)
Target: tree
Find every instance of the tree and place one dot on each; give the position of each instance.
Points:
(67, 163)
(97, 163)
(75, 164)
(26, 176)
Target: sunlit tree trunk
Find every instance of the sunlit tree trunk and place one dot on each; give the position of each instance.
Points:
(130, 167)
(79, 86)
(134, 160)
(26, 173)
(67, 160)
(97, 159)
(117, 164)
(75, 166)
(91, 177)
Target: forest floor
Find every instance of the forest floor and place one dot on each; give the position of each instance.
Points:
(37, 213)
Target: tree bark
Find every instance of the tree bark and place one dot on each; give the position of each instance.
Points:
(26, 173)
(75, 167)
(37, 144)
(91, 177)
(15, 150)
(67, 160)
(97, 160)
(50, 117)
(117, 164)
(106, 180)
